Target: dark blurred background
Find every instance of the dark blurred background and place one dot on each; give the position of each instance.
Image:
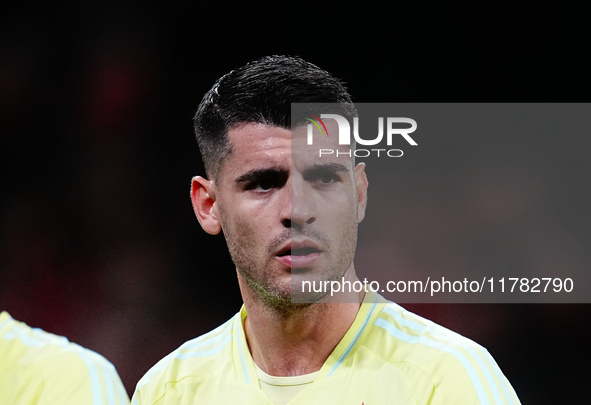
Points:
(98, 240)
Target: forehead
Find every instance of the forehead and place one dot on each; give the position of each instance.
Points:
(251, 137)
(261, 146)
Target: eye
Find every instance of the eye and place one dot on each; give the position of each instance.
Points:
(323, 178)
(265, 183)
(328, 178)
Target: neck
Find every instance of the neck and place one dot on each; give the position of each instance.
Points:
(298, 340)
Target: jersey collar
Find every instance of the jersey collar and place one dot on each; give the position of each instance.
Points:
(244, 364)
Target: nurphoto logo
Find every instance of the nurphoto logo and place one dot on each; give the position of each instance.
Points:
(391, 127)
(317, 122)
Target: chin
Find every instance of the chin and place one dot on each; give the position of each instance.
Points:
(312, 286)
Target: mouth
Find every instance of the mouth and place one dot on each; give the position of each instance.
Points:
(299, 254)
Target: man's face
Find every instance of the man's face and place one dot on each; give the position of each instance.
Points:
(287, 214)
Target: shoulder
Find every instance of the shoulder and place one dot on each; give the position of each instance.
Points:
(54, 369)
(194, 360)
(451, 365)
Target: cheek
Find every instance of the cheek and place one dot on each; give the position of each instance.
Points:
(342, 211)
(241, 236)
(343, 225)
(239, 247)
(237, 230)
(245, 232)
(244, 222)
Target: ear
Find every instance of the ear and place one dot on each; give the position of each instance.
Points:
(361, 184)
(203, 198)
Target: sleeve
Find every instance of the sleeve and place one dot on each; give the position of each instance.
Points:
(81, 377)
(470, 376)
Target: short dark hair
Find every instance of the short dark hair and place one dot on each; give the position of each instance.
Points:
(259, 92)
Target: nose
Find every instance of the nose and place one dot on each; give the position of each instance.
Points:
(300, 206)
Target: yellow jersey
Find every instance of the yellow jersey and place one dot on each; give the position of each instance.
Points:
(40, 368)
(388, 356)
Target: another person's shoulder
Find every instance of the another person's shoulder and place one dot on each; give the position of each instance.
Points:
(50, 368)
(191, 364)
(453, 367)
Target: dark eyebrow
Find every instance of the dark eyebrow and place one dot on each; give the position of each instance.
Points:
(257, 174)
(326, 167)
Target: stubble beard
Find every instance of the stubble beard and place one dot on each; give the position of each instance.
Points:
(261, 278)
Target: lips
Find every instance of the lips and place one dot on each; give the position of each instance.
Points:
(299, 254)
